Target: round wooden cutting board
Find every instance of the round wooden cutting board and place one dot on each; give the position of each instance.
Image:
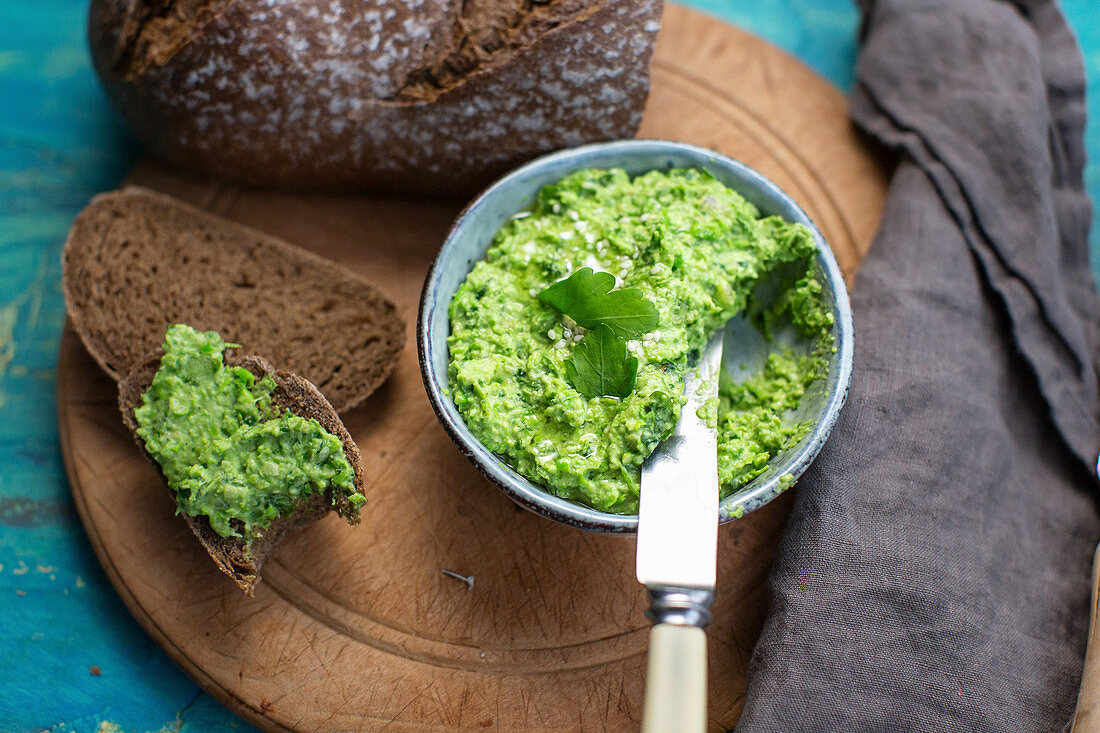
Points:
(358, 629)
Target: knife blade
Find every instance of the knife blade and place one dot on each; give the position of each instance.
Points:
(678, 511)
(677, 555)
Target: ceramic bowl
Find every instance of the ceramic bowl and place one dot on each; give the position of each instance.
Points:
(470, 237)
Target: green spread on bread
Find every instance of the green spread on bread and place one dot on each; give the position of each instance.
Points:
(226, 451)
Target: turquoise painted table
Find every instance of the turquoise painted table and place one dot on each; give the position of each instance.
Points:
(71, 658)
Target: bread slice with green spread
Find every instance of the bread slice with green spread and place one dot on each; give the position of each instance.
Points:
(209, 483)
(136, 261)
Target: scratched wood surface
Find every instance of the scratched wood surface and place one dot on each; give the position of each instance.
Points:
(358, 628)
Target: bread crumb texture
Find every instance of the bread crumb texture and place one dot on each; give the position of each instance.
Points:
(136, 262)
(411, 94)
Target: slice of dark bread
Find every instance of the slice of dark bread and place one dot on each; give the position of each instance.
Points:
(238, 559)
(137, 261)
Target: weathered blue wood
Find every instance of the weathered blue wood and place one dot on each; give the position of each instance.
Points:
(60, 144)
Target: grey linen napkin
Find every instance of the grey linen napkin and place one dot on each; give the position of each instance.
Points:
(935, 571)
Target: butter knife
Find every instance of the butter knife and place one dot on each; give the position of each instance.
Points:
(677, 556)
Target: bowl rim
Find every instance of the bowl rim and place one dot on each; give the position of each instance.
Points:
(538, 500)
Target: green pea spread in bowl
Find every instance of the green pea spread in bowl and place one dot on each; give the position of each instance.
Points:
(570, 340)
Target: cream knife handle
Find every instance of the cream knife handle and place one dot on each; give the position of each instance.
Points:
(676, 681)
(1087, 717)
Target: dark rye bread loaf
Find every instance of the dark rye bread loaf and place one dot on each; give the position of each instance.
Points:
(240, 560)
(136, 262)
(437, 96)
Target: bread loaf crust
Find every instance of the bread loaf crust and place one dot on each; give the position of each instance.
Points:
(430, 97)
(243, 561)
(138, 261)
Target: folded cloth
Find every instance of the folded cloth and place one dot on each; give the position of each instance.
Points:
(935, 571)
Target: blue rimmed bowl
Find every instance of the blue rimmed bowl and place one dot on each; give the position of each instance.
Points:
(746, 350)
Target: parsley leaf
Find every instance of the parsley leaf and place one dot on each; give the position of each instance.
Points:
(600, 365)
(587, 297)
